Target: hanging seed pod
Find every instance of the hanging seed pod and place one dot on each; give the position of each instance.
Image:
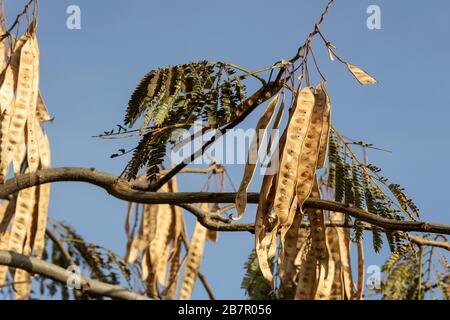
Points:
(361, 271)
(318, 231)
(19, 155)
(41, 110)
(6, 214)
(193, 261)
(262, 219)
(360, 75)
(296, 133)
(325, 135)
(31, 129)
(291, 247)
(327, 274)
(26, 201)
(19, 113)
(250, 166)
(174, 274)
(307, 278)
(22, 284)
(43, 190)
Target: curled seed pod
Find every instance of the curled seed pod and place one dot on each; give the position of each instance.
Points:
(262, 220)
(296, 133)
(325, 135)
(193, 261)
(250, 166)
(360, 75)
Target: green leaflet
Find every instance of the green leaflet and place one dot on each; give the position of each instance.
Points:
(174, 98)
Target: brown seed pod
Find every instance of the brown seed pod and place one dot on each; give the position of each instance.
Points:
(41, 110)
(26, 201)
(325, 135)
(361, 271)
(295, 136)
(21, 107)
(318, 232)
(250, 166)
(262, 220)
(307, 278)
(193, 261)
(360, 75)
(291, 248)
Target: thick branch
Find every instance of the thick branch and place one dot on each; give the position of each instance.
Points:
(51, 271)
(134, 192)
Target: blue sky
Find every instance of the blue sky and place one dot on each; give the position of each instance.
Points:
(89, 74)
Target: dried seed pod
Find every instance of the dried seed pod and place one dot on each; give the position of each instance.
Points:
(145, 233)
(325, 135)
(22, 284)
(291, 248)
(174, 274)
(43, 203)
(262, 219)
(26, 201)
(43, 145)
(193, 261)
(318, 232)
(361, 271)
(7, 89)
(296, 134)
(19, 113)
(307, 278)
(250, 166)
(31, 129)
(160, 241)
(360, 75)
(19, 155)
(2, 51)
(327, 274)
(6, 214)
(337, 285)
(41, 110)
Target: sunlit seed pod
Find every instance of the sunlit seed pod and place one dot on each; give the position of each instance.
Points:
(255, 146)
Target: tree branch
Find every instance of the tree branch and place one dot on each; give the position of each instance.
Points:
(51, 271)
(135, 192)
